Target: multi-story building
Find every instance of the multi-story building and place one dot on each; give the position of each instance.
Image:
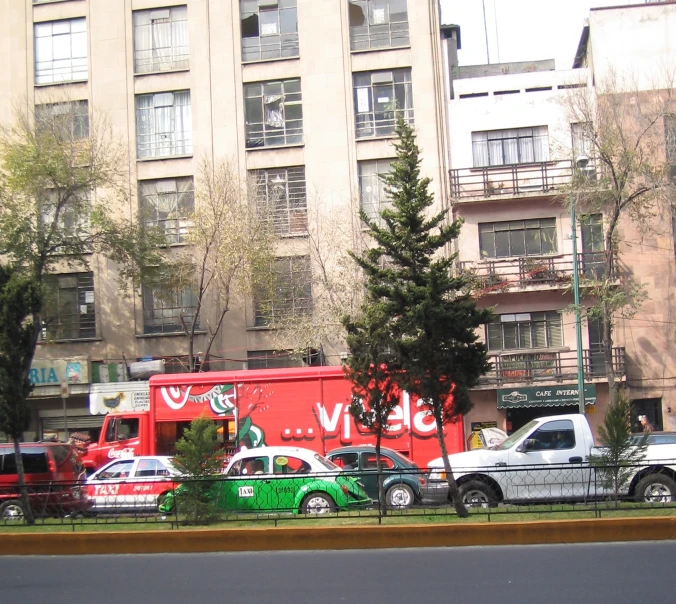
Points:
(514, 152)
(302, 94)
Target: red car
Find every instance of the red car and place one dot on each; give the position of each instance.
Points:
(53, 477)
(133, 484)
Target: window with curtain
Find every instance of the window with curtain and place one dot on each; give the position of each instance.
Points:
(515, 146)
(71, 227)
(60, 51)
(534, 237)
(269, 29)
(292, 295)
(68, 311)
(165, 311)
(372, 197)
(161, 39)
(582, 144)
(524, 331)
(273, 113)
(168, 204)
(380, 97)
(67, 120)
(282, 199)
(378, 24)
(163, 124)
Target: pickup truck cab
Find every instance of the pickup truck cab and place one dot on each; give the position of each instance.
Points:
(547, 460)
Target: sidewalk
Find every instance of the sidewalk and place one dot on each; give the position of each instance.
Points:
(352, 537)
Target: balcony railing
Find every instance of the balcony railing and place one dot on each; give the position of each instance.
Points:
(493, 276)
(520, 179)
(550, 366)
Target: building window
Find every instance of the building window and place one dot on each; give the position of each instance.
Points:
(161, 39)
(166, 311)
(269, 29)
(525, 331)
(378, 24)
(515, 146)
(282, 199)
(518, 238)
(72, 225)
(582, 143)
(69, 307)
(168, 204)
(372, 196)
(380, 97)
(292, 292)
(163, 124)
(65, 120)
(274, 113)
(60, 51)
(651, 408)
(271, 359)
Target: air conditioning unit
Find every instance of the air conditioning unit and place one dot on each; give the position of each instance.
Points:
(142, 370)
(585, 168)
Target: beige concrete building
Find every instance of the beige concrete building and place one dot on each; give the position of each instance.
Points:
(513, 154)
(302, 93)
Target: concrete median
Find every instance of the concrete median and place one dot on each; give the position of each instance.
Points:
(361, 537)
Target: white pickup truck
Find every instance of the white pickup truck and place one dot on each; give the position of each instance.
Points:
(546, 460)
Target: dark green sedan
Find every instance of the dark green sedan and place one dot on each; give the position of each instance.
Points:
(404, 484)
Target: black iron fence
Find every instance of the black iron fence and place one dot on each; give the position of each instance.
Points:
(554, 365)
(574, 487)
(547, 177)
(497, 275)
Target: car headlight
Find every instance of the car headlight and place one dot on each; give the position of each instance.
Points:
(438, 475)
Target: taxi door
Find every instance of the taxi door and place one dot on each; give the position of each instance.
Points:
(248, 486)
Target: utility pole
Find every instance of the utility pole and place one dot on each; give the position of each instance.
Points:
(578, 318)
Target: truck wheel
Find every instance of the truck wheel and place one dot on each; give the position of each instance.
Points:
(400, 496)
(477, 494)
(655, 488)
(318, 503)
(11, 510)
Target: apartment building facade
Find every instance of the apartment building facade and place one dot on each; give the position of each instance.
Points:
(514, 153)
(302, 95)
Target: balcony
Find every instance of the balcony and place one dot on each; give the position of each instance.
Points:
(550, 366)
(520, 180)
(532, 272)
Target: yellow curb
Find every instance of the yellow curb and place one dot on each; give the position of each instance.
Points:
(337, 538)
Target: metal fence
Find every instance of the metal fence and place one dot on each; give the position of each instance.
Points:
(490, 492)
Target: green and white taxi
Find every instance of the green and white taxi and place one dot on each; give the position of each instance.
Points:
(286, 479)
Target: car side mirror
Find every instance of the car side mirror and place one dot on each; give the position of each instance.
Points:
(526, 445)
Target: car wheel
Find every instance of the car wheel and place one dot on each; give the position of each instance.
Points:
(400, 496)
(318, 503)
(11, 510)
(477, 494)
(656, 488)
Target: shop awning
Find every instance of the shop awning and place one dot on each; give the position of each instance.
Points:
(75, 422)
(544, 396)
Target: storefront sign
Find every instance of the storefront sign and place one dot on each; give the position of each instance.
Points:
(544, 396)
(121, 396)
(54, 372)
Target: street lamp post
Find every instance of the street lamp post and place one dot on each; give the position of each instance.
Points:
(578, 318)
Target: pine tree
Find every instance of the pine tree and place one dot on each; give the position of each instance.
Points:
(616, 460)
(19, 299)
(432, 318)
(198, 458)
(370, 367)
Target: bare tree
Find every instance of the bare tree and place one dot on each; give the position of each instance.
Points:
(621, 171)
(337, 284)
(228, 257)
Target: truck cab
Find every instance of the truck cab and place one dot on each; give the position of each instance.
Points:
(122, 436)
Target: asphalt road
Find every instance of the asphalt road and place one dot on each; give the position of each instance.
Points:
(569, 574)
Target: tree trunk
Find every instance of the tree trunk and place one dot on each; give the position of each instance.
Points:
(459, 506)
(606, 312)
(382, 504)
(23, 489)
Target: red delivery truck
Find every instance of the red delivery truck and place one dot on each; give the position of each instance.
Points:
(306, 407)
